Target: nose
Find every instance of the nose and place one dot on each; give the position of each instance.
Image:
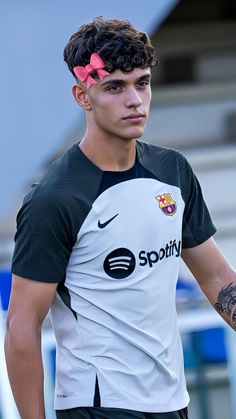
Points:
(133, 98)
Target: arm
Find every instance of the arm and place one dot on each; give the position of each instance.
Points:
(215, 276)
(29, 304)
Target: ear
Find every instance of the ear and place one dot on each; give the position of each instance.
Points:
(81, 97)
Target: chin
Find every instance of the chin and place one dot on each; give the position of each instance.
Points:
(137, 133)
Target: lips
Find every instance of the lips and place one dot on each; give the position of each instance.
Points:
(135, 116)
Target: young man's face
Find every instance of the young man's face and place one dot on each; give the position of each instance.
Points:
(120, 103)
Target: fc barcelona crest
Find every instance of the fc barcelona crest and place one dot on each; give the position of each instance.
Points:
(166, 203)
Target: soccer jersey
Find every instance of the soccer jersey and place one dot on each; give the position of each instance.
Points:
(112, 241)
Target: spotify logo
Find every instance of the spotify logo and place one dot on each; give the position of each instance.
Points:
(120, 263)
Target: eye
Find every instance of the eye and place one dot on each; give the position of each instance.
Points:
(114, 88)
(143, 83)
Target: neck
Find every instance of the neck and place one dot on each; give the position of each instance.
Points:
(114, 154)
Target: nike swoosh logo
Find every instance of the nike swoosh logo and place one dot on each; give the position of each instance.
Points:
(102, 225)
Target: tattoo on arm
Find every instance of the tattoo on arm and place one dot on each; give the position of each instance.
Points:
(226, 304)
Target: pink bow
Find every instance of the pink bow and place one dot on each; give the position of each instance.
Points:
(96, 64)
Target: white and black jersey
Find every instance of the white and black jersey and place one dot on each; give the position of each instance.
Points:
(112, 241)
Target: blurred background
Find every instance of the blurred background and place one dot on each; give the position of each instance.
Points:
(193, 110)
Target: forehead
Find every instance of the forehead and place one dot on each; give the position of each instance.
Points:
(128, 77)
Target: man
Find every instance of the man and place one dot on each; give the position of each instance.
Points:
(98, 241)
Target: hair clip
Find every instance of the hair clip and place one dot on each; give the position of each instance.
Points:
(96, 64)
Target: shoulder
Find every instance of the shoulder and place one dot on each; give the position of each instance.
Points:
(150, 153)
(167, 164)
(59, 173)
(69, 183)
(62, 178)
(51, 189)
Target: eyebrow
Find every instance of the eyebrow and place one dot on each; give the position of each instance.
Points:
(124, 82)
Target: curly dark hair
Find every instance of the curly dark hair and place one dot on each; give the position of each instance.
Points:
(117, 42)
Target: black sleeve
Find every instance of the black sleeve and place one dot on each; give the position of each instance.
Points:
(197, 224)
(43, 240)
